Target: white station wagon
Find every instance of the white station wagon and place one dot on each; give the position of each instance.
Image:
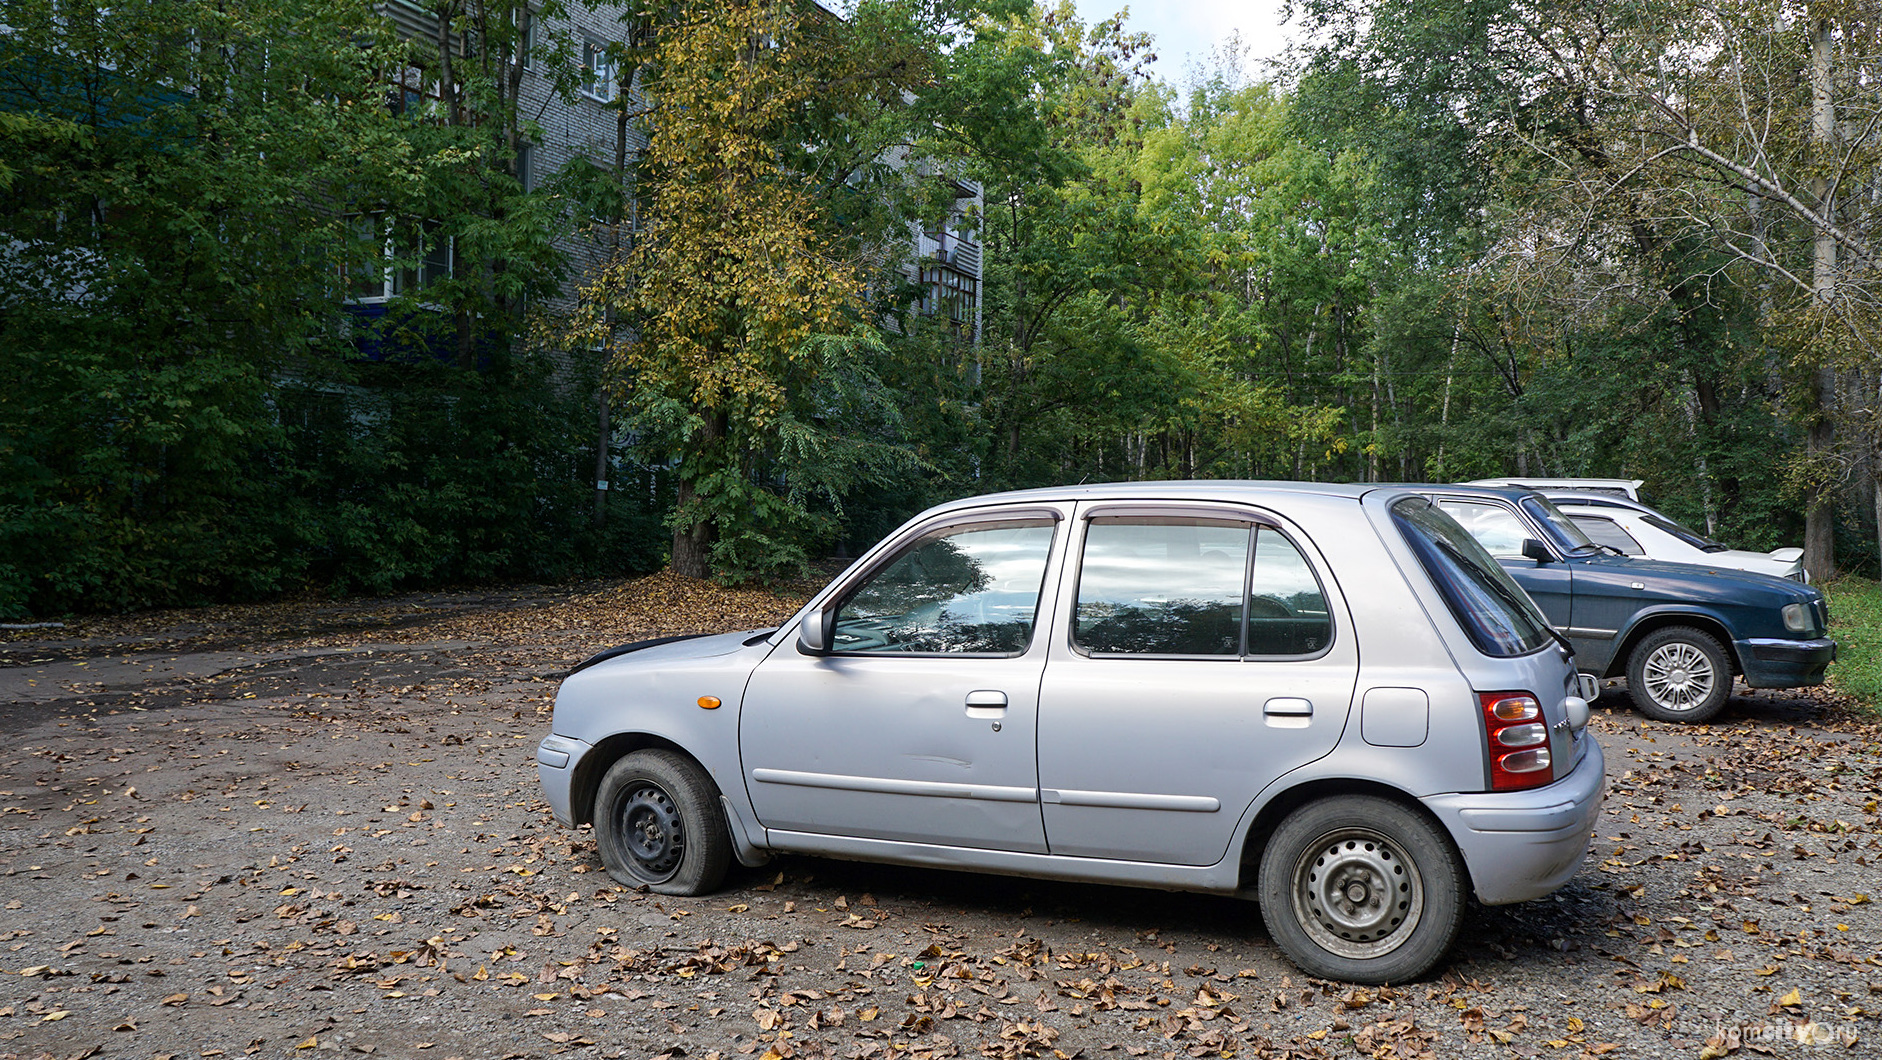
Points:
(1325, 698)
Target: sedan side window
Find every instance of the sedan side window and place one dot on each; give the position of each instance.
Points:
(1152, 585)
(1608, 532)
(1497, 529)
(971, 589)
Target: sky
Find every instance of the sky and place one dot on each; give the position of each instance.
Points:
(1187, 31)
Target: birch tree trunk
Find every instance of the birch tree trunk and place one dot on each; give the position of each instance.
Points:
(1820, 515)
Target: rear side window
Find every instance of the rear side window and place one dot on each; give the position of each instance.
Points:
(1499, 617)
(1154, 586)
(1160, 585)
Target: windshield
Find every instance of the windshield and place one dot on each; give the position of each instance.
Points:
(1693, 538)
(1566, 535)
(1499, 617)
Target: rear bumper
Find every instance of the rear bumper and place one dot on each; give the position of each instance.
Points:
(1521, 845)
(1785, 663)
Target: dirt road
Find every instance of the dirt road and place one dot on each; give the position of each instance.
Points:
(293, 830)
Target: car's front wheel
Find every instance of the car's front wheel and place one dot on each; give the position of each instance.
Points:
(1361, 889)
(658, 824)
(1679, 674)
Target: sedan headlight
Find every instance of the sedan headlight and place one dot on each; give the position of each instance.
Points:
(1797, 618)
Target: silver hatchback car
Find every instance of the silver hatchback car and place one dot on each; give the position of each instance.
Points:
(1325, 698)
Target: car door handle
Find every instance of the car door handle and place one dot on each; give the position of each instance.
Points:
(986, 703)
(1293, 708)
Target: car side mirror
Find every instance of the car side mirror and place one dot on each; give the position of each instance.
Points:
(1536, 550)
(814, 633)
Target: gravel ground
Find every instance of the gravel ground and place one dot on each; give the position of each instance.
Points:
(314, 828)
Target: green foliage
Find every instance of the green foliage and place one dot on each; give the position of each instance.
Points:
(186, 417)
(1454, 248)
(1856, 623)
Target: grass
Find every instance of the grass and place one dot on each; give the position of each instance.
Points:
(1856, 623)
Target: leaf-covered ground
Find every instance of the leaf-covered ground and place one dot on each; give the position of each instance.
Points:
(307, 828)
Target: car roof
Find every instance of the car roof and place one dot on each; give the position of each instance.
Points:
(1177, 489)
(1508, 493)
(1230, 490)
(1618, 487)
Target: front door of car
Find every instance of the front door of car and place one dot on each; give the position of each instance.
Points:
(920, 725)
(1163, 713)
(1502, 532)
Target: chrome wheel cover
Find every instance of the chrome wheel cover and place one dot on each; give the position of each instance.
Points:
(1678, 676)
(1356, 894)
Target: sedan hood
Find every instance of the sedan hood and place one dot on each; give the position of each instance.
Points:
(668, 649)
(1695, 582)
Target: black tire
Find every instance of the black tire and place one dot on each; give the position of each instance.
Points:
(658, 824)
(1362, 889)
(1679, 674)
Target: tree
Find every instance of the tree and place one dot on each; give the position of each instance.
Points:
(1647, 166)
(191, 190)
(770, 188)
(166, 251)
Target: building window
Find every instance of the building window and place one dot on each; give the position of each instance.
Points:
(410, 90)
(400, 258)
(950, 295)
(526, 166)
(597, 72)
(524, 40)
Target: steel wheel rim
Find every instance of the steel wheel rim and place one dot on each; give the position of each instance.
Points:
(1678, 676)
(652, 832)
(1356, 894)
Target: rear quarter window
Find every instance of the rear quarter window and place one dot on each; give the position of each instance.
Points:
(1498, 616)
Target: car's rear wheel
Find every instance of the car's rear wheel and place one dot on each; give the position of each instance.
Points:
(658, 824)
(1679, 674)
(1361, 889)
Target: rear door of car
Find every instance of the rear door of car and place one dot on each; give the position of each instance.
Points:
(1162, 714)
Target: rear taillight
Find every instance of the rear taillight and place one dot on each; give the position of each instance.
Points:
(1518, 738)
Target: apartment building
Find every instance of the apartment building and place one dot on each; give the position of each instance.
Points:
(598, 128)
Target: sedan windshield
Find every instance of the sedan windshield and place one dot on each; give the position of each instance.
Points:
(1693, 538)
(1562, 531)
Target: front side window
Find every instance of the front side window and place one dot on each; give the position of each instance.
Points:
(963, 590)
(1157, 585)
(1499, 617)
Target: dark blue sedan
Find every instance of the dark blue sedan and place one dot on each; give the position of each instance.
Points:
(1678, 632)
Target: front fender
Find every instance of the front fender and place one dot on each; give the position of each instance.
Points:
(1655, 616)
(623, 704)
